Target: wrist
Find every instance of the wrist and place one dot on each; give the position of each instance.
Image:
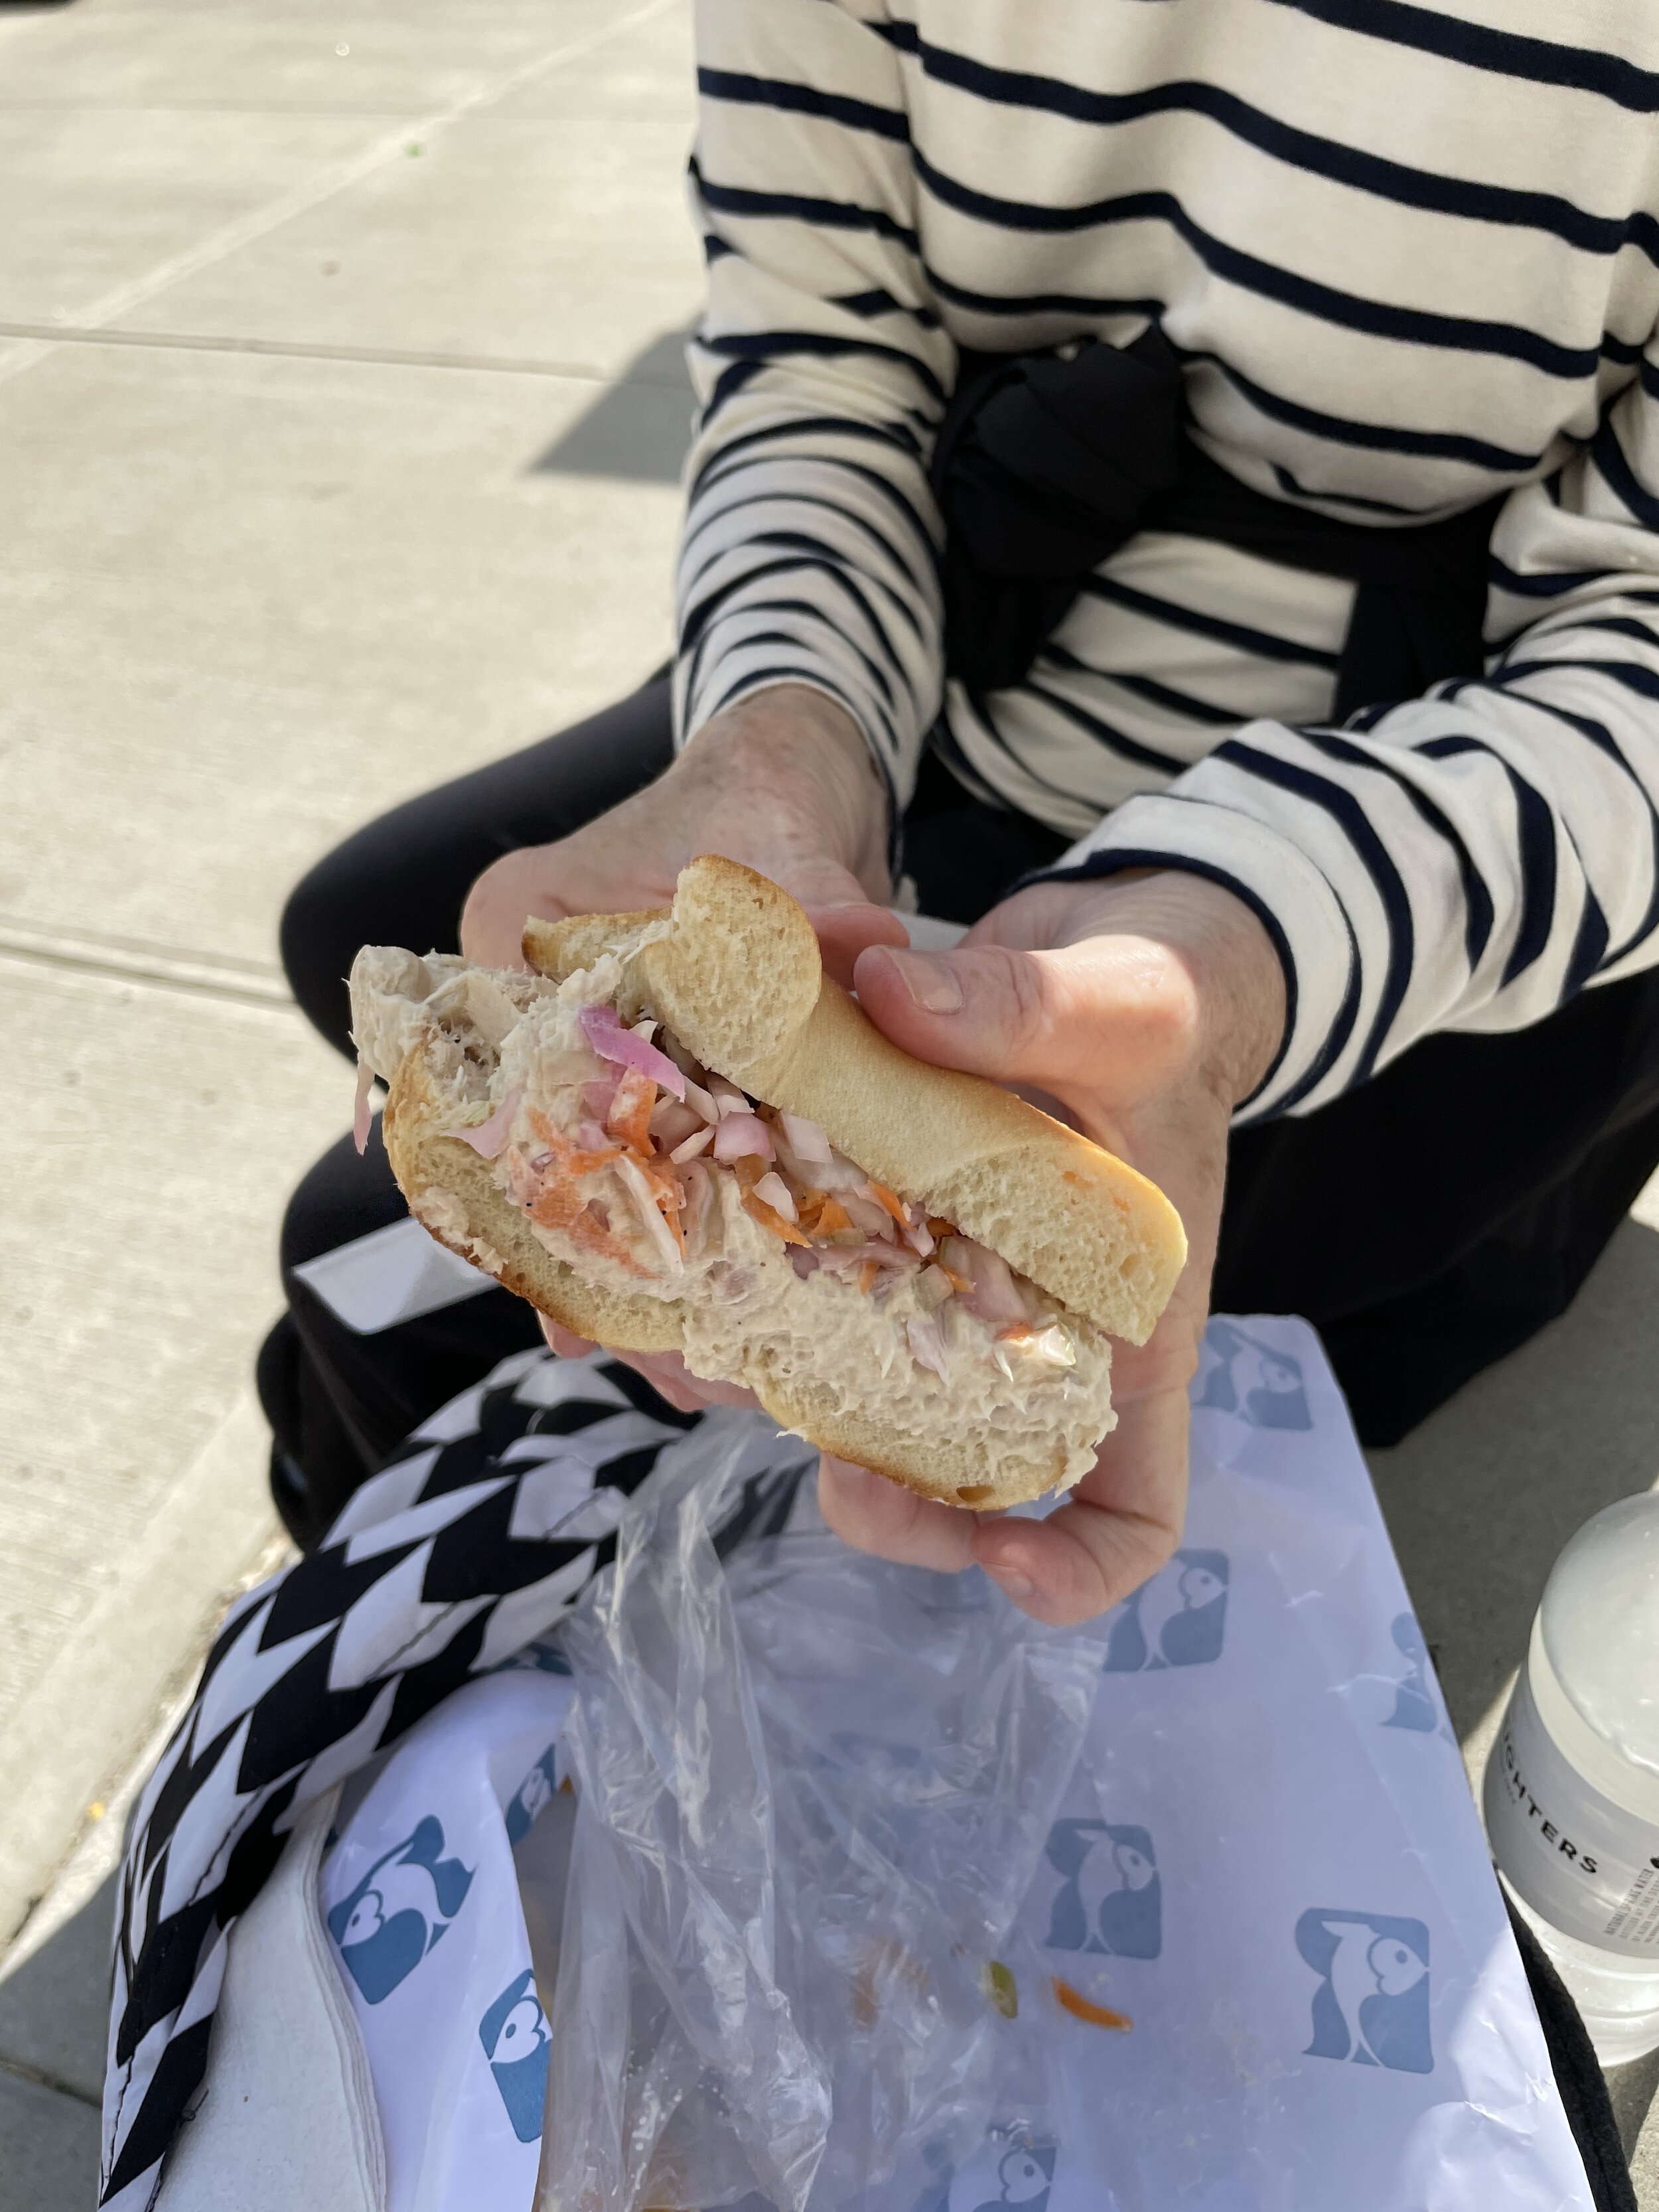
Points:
(797, 755)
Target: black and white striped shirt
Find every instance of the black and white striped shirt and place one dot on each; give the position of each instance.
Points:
(1409, 257)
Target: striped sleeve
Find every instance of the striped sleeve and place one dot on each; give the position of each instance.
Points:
(1471, 860)
(810, 549)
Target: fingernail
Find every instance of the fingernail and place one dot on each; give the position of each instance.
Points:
(1018, 1587)
(931, 986)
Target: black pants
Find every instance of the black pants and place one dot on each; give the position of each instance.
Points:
(1427, 1223)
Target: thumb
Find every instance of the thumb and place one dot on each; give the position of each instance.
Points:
(1033, 1016)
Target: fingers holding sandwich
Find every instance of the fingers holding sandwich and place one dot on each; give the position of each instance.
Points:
(874, 1515)
(1119, 1527)
(1147, 1007)
(783, 781)
(680, 1140)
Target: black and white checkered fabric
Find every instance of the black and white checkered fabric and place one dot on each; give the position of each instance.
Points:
(477, 1538)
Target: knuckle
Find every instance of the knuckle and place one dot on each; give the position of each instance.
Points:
(1024, 999)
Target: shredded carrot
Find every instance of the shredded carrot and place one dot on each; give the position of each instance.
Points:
(587, 1234)
(670, 1214)
(1017, 1334)
(940, 1227)
(671, 1200)
(560, 1205)
(1073, 2002)
(958, 1283)
(867, 1274)
(631, 1107)
(768, 1218)
(893, 1204)
(571, 1160)
(556, 1205)
(825, 1215)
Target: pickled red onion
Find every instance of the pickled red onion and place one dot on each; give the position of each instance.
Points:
(926, 1346)
(605, 1033)
(671, 1123)
(772, 1190)
(741, 1135)
(700, 1102)
(995, 1295)
(489, 1139)
(918, 1237)
(805, 1140)
(891, 1258)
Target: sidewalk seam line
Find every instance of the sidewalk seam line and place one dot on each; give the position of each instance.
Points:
(298, 350)
(148, 976)
(301, 198)
(21, 2072)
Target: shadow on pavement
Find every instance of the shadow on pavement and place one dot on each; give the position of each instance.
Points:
(53, 2009)
(1482, 1497)
(639, 427)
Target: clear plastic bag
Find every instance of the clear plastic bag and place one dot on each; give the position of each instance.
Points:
(796, 1859)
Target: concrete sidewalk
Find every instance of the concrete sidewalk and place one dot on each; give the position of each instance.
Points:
(341, 408)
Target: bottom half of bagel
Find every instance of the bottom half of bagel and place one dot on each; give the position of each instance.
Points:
(826, 1361)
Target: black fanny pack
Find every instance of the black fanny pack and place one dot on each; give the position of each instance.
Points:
(1047, 464)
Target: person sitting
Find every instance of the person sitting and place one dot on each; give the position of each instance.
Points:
(1174, 489)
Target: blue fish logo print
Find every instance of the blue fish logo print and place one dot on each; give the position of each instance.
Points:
(1249, 1378)
(514, 2034)
(1416, 1702)
(1012, 2169)
(1178, 1619)
(1109, 1899)
(399, 1911)
(532, 1796)
(1372, 2003)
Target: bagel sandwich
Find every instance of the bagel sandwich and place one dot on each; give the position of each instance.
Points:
(674, 1133)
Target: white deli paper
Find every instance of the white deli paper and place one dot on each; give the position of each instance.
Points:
(1264, 1962)
(420, 1896)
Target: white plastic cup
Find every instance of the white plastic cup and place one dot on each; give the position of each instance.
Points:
(1571, 1796)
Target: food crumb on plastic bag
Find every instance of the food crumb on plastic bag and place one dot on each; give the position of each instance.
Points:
(1081, 2007)
(886, 1960)
(1002, 1989)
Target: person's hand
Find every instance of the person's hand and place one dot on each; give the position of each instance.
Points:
(782, 781)
(1147, 1006)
